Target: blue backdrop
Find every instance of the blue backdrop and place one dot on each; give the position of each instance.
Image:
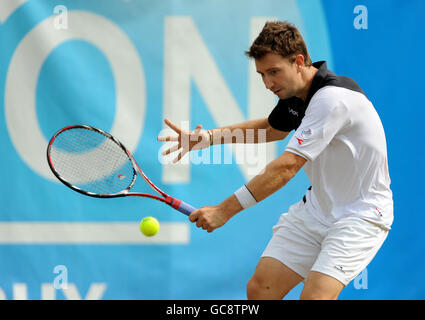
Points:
(124, 65)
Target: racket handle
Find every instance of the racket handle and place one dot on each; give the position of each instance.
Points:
(186, 208)
(182, 206)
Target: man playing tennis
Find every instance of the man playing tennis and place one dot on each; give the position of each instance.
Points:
(333, 233)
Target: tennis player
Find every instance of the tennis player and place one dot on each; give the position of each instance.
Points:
(327, 238)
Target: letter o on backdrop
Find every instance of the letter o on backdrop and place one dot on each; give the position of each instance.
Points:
(24, 71)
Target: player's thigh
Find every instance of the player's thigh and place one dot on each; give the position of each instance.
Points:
(320, 286)
(272, 280)
(348, 248)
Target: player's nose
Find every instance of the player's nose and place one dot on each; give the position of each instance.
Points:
(268, 83)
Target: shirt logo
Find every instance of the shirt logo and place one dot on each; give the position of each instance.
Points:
(306, 133)
(295, 113)
(300, 141)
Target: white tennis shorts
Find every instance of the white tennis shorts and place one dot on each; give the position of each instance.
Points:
(341, 250)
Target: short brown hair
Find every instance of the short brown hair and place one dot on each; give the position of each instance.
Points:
(279, 37)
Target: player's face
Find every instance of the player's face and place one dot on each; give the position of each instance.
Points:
(279, 75)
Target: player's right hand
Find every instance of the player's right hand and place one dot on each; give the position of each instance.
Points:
(187, 140)
(209, 218)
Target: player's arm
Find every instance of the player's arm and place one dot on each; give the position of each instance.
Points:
(252, 131)
(276, 175)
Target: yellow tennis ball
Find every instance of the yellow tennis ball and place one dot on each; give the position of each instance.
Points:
(149, 226)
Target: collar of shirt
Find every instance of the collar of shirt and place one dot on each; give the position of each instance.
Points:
(322, 78)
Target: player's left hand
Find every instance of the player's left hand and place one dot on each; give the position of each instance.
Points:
(209, 218)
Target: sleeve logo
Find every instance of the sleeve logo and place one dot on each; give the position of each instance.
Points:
(300, 141)
(306, 133)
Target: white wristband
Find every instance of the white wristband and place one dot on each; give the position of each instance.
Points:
(245, 197)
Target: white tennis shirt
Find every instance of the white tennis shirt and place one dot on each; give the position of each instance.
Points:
(342, 138)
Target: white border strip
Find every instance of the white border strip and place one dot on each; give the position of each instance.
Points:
(104, 233)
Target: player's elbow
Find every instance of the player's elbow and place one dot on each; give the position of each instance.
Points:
(288, 165)
(287, 172)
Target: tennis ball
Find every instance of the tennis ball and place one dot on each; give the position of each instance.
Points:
(149, 226)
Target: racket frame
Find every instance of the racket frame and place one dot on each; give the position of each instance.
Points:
(173, 202)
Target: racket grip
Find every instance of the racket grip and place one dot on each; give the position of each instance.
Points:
(181, 206)
(185, 208)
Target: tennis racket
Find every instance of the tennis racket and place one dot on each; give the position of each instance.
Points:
(94, 163)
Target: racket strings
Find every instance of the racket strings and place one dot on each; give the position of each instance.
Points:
(91, 161)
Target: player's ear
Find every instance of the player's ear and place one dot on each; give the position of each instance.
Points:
(299, 61)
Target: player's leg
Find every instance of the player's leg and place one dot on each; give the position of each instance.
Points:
(271, 280)
(320, 286)
(289, 255)
(349, 246)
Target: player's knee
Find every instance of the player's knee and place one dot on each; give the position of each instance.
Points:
(320, 286)
(309, 295)
(259, 288)
(312, 294)
(255, 288)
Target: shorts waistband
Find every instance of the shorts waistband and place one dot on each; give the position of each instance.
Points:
(304, 198)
